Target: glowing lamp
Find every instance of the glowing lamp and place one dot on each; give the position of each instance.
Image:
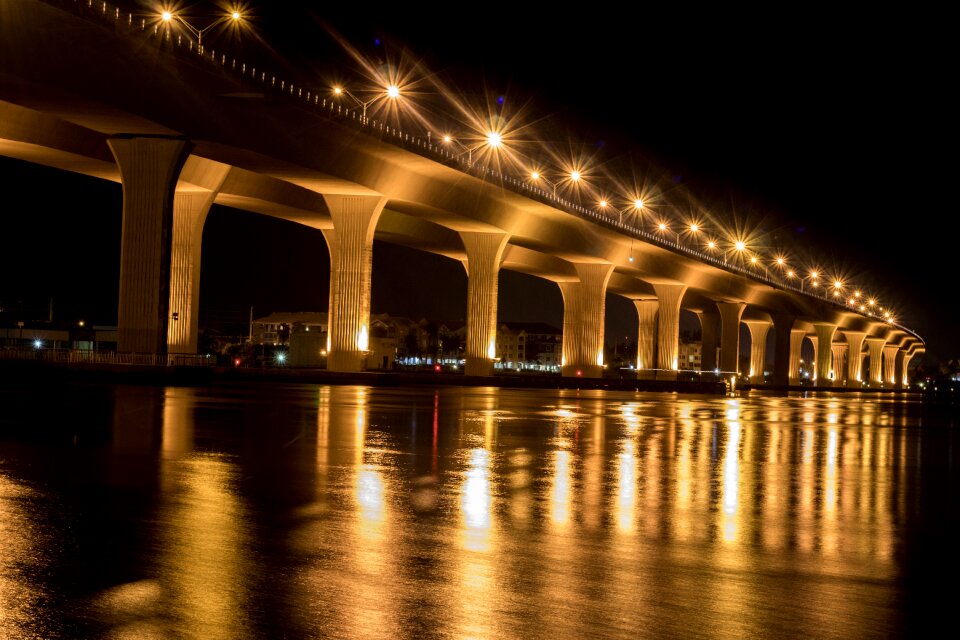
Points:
(494, 139)
(575, 176)
(393, 91)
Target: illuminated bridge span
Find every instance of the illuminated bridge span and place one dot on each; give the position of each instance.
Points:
(182, 127)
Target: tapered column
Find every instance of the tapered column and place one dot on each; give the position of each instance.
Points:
(796, 349)
(668, 324)
(839, 350)
(855, 343)
(646, 334)
(783, 368)
(351, 263)
(905, 368)
(484, 254)
(149, 168)
(709, 319)
(758, 348)
(824, 339)
(189, 215)
(730, 313)
(583, 316)
(890, 365)
(875, 349)
(900, 369)
(815, 342)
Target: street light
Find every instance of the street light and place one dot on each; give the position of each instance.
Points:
(391, 92)
(537, 176)
(232, 16)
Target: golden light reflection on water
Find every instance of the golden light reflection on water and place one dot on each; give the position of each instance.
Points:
(598, 507)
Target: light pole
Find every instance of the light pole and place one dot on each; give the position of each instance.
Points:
(391, 92)
(169, 16)
(448, 140)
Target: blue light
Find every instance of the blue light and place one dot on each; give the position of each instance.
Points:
(500, 100)
(37, 344)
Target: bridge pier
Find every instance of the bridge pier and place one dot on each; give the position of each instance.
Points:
(484, 254)
(351, 264)
(583, 314)
(839, 350)
(854, 362)
(730, 313)
(875, 349)
(669, 297)
(149, 169)
(189, 215)
(708, 335)
(890, 352)
(758, 348)
(646, 333)
(824, 333)
(783, 366)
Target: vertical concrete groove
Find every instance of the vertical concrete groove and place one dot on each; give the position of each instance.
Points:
(758, 349)
(839, 350)
(825, 333)
(149, 168)
(583, 319)
(484, 254)
(875, 349)
(855, 346)
(730, 313)
(796, 346)
(646, 333)
(708, 334)
(668, 324)
(351, 265)
(890, 352)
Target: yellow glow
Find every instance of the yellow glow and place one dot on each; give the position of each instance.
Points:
(600, 358)
(166, 16)
(837, 284)
(575, 176)
(638, 203)
(494, 139)
(863, 308)
(447, 138)
(851, 301)
(337, 90)
(393, 91)
(836, 293)
(814, 275)
(780, 261)
(740, 245)
(535, 175)
(603, 203)
(235, 15)
(492, 349)
(662, 226)
(856, 294)
(790, 273)
(871, 302)
(363, 339)
(711, 245)
(753, 260)
(694, 227)
(886, 315)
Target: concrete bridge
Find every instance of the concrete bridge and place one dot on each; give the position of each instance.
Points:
(88, 88)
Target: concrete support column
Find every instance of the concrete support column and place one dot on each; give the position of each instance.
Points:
(875, 347)
(351, 263)
(189, 215)
(905, 368)
(583, 315)
(149, 168)
(855, 342)
(824, 339)
(730, 313)
(783, 369)
(890, 352)
(484, 254)
(668, 324)
(839, 350)
(796, 346)
(646, 334)
(758, 348)
(814, 341)
(709, 319)
(900, 369)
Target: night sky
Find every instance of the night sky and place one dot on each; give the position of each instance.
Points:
(831, 129)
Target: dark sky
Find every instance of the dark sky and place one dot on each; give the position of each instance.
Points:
(835, 129)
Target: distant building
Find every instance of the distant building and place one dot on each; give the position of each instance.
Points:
(690, 355)
(529, 345)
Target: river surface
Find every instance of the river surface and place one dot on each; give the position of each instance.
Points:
(306, 511)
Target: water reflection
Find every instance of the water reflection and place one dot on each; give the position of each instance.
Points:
(361, 513)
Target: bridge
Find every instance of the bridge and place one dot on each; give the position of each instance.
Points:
(90, 88)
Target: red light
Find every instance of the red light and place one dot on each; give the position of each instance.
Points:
(236, 362)
(436, 367)
(579, 373)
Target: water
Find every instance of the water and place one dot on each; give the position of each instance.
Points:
(347, 512)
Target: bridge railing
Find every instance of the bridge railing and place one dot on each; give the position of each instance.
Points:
(136, 23)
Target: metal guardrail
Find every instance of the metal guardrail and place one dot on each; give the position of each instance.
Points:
(71, 356)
